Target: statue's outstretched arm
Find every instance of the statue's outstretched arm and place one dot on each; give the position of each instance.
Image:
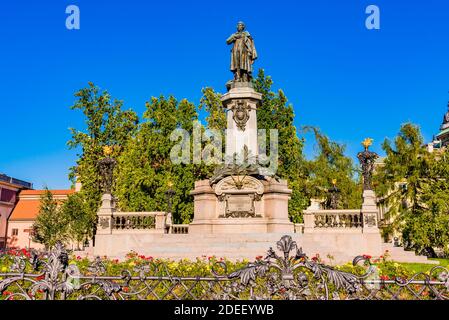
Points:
(231, 39)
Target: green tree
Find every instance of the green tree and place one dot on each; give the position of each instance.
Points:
(331, 163)
(277, 113)
(211, 103)
(145, 165)
(80, 223)
(106, 124)
(50, 225)
(413, 186)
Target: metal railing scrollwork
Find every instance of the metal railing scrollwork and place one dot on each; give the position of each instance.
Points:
(285, 273)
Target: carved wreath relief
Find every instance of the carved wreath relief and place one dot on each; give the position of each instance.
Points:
(104, 223)
(241, 111)
(370, 220)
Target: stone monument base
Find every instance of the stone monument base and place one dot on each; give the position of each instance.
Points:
(257, 206)
(333, 248)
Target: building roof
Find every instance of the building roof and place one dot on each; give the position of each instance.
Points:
(41, 192)
(27, 207)
(13, 182)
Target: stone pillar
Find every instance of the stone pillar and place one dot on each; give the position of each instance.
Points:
(160, 221)
(309, 221)
(276, 197)
(204, 208)
(105, 214)
(241, 104)
(369, 212)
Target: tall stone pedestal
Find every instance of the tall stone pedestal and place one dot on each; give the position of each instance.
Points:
(258, 206)
(370, 229)
(239, 202)
(241, 104)
(105, 214)
(369, 212)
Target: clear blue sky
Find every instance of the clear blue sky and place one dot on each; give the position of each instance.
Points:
(349, 81)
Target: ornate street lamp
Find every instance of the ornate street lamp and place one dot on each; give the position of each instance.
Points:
(333, 195)
(107, 165)
(168, 216)
(170, 194)
(367, 159)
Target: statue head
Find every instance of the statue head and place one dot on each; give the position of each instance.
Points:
(240, 26)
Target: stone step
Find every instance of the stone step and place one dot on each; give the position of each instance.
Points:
(400, 255)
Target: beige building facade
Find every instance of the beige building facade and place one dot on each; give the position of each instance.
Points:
(24, 214)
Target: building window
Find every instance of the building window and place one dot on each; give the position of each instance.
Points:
(7, 195)
(15, 232)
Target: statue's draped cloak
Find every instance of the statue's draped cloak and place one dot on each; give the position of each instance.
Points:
(243, 53)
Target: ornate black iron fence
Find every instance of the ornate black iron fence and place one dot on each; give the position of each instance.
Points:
(289, 274)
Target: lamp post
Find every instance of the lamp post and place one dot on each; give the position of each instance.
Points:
(369, 210)
(169, 194)
(367, 159)
(168, 217)
(333, 195)
(107, 165)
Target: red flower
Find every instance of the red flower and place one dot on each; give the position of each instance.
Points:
(259, 258)
(42, 277)
(78, 258)
(125, 289)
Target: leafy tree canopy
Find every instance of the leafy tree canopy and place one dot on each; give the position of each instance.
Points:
(413, 186)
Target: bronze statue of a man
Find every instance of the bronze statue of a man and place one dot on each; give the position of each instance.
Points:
(243, 54)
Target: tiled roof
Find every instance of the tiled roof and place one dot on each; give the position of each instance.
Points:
(41, 192)
(27, 207)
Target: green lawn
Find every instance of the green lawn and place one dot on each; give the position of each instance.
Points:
(424, 267)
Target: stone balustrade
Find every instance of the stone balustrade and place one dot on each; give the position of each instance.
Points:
(299, 227)
(179, 229)
(133, 221)
(332, 219)
(130, 222)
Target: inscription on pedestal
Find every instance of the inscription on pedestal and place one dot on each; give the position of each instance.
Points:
(239, 194)
(239, 206)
